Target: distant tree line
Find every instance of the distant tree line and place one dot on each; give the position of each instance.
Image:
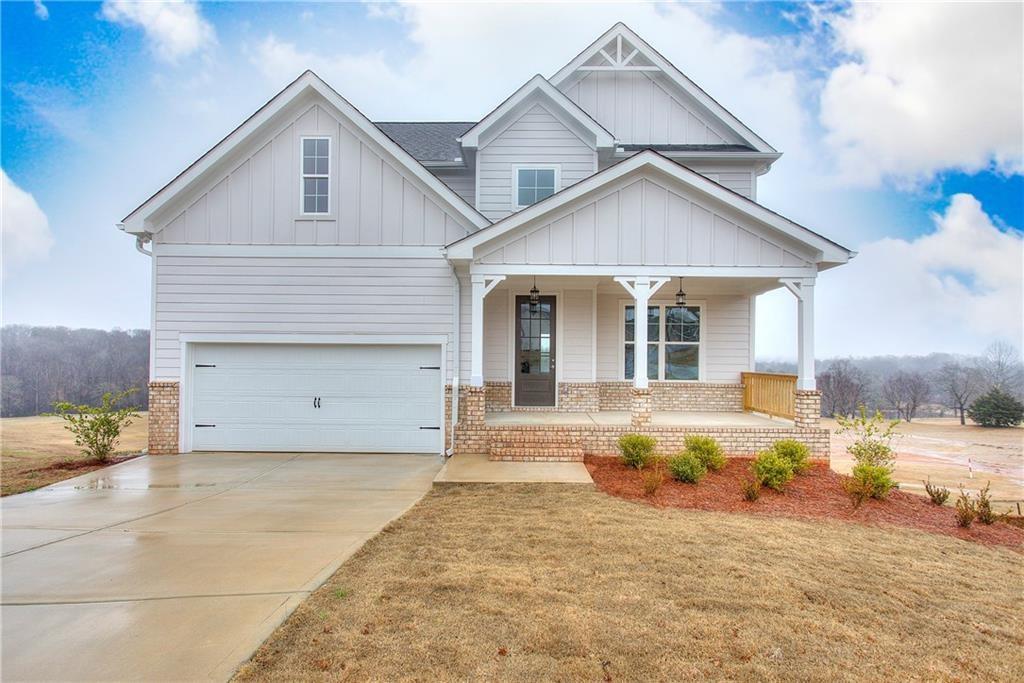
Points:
(40, 365)
(906, 387)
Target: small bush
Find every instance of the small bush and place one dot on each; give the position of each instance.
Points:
(707, 450)
(869, 481)
(687, 467)
(654, 478)
(96, 428)
(637, 450)
(873, 437)
(983, 507)
(938, 494)
(996, 408)
(751, 489)
(772, 470)
(965, 510)
(798, 454)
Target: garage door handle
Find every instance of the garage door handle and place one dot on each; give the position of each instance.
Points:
(430, 367)
(204, 365)
(206, 425)
(429, 427)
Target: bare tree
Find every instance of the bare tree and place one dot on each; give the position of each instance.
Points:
(904, 392)
(960, 383)
(1002, 367)
(843, 387)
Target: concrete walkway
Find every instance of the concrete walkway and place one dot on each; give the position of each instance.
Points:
(478, 469)
(178, 567)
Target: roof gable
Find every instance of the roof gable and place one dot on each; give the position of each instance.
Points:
(626, 62)
(675, 217)
(538, 90)
(265, 120)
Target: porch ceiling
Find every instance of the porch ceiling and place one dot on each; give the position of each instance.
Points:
(695, 287)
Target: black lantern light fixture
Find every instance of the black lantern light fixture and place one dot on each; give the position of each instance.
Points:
(680, 295)
(534, 294)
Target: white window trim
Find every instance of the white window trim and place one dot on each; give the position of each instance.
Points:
(330, 177)
(557, 168)
(701, 345)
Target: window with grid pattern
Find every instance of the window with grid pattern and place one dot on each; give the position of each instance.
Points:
(316, 175)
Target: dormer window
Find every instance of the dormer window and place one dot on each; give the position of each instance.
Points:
(316, 175)
(534, 184)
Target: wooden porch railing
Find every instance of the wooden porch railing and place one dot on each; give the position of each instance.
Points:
(769, 393)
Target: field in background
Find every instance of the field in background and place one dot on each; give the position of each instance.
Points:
(30, 447)
(944, 450)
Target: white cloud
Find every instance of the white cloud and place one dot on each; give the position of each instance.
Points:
(41, 11)
(925, 87)
(26, 230)
(954, 289)
(174, 29)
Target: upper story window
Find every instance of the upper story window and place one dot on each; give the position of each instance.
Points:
(535, 184)
(316, 175)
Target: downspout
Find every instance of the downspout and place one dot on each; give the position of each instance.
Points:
(457, 334)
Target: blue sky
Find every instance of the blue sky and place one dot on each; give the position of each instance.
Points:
(901, 133)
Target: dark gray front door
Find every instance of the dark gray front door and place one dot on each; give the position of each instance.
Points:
(535, 352)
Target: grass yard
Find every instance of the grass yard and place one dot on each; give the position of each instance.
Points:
(560, 582)
(38, 451)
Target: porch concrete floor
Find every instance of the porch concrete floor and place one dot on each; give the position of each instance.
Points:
(621, 418)
(476, 468)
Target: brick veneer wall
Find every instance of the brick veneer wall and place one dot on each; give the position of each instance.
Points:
(807, 409)
(602, 439)
(163, 417)
(578, 397)
(498, 396)
(681, 396)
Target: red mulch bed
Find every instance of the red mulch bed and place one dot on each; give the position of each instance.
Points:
(817, 494)
(85, 465)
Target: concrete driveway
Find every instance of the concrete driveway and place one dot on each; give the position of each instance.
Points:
(178, 567)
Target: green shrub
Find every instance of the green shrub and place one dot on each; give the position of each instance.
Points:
(798, 454)
(873, 435)
(637, 450)
(983, 507)
(772, 470)
(938, 494)
(996, 409)
(96, 428)
(707, 450)
(751, 489)
(869, 481)
(687, 467)
(966, 511)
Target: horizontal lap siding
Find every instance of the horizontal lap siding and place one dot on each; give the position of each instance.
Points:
(462, 182)
(726, 343)
(276, 295)
(539, 138)
(577, 311)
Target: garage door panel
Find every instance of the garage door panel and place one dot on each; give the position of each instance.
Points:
(371, 398)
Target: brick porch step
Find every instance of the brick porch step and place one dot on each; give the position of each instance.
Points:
(536, 446)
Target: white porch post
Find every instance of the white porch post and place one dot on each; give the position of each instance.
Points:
(482, 285)
(803, 290)
(642, 289)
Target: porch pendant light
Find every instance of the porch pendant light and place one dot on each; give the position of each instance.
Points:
(680, 295)
(534, 294)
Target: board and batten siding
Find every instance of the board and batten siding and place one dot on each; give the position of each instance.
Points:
(539, 138)
(312, 295)
(257, 201)
(644, 222)
(641, 108)
(726, 343)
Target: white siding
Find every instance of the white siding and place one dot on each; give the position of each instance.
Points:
(641, 108)
(577, 311)
(726, 343)
(497, 335)
(256, 199)
(252, 295)
(644, 221)
(537, 137)
(462, 182)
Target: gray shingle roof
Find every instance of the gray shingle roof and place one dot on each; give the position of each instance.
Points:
(427, 140)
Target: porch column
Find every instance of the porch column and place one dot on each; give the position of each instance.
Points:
(641, 289)
(482, 285)
(808, 398)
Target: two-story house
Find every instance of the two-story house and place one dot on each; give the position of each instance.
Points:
(580, 263)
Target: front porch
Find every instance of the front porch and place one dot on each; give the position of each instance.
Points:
(623, 418)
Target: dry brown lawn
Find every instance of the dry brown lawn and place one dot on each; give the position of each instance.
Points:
(32, 446)
(532, 582)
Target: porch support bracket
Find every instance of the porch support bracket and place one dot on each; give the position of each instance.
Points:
(641, 288)
(803, 290)
(481, 286)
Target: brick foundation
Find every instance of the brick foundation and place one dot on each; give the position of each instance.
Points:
(640, 408)
(681, 396)
(163, 418)
(498, 396)
(578, 397)
(807, 409)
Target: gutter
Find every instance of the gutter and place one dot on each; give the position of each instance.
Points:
(456, 335)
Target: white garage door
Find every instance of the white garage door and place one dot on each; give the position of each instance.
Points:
(290, 397)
